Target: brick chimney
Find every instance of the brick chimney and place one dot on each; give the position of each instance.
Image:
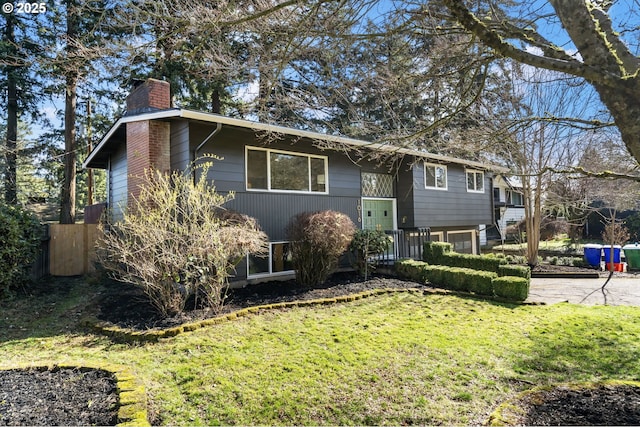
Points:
(148, 141)
(148, 95)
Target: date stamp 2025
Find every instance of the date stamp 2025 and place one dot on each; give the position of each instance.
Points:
(24, 7)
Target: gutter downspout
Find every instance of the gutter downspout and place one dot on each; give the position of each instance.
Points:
(199, 147)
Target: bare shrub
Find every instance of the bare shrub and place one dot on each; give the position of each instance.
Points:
(317, 239)
(176, 241)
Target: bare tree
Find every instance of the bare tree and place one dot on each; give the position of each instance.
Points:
(535, 143)
(572, 37)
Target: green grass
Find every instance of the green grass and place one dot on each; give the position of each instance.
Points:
(393, 359)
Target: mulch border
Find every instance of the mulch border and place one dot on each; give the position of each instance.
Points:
(132, 397)
(510, 412)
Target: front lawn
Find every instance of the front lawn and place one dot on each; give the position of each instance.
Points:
(394, 359)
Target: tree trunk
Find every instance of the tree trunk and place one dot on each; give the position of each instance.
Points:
(10, 178)
(68, 202)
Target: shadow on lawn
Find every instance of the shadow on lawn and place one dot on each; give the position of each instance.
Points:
(49, 307)
(594, 345)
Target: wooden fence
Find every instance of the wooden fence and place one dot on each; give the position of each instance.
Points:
(72, 249)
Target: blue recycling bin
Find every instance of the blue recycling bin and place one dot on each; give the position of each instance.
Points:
(592, 254)
(616, 257)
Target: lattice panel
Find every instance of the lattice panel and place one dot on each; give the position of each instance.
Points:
(377, 185)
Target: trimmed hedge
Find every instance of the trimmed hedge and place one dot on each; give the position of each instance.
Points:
(441, 253)
(511, 288)
(485, 283)
(515, 270)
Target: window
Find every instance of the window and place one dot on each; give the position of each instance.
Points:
(435, 176)
(514, 198)
(284, 171)
(475, 181)
(436, 236)
(462, 242)
(278, 261)
(376, 184)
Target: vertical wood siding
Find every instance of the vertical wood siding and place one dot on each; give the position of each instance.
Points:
(118, 182)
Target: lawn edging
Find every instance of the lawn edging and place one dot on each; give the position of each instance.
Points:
(120, 334)
(510, 412)
(132, 397)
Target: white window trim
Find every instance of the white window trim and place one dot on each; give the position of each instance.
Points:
(446, 174)
(270, 257)
(473, 171)
(437, 233)
(291, 153)
(474, 237)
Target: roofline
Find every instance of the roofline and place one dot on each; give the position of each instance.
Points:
(247, 124)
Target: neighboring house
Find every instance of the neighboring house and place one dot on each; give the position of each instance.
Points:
(277, 172)
(508, 202)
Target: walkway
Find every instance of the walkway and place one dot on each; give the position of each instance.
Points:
(622, 289)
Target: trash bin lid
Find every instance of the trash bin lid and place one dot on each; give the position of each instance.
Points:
(631, 246)
(592, 246)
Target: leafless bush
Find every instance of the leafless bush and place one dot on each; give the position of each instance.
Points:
(317, 241)
(177, 241)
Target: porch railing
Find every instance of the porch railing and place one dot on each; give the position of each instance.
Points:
(407, 243)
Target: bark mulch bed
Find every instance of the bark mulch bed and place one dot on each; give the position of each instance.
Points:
(602, 404)
(59, 396)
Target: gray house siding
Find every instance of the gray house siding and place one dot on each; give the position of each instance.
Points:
(454, 207)
(180, 155)
(118, 182)
(274, 209)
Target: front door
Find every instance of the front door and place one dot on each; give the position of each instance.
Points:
(378, 214)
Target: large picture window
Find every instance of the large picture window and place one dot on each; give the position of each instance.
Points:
(435, 176)
(475, 181)
(277, 170)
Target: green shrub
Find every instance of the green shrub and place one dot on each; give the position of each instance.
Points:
(21, 234)
(511, 288)
(580, 262)
(515, 270)
(441, 253)
(432, 252)
(317, 239)
(412, 270)
(453, 278)
(481, 283)
(365, 245)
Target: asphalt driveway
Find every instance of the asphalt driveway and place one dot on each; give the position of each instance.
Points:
(622, 289)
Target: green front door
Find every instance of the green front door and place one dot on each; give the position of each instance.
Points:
(377, 214)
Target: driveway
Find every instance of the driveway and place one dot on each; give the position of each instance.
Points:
(622, 289)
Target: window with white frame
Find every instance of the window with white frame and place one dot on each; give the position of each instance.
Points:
(278, 261)
(462, 241)
(514, 198)
(276, 170)
(475, 181)
(435, 176)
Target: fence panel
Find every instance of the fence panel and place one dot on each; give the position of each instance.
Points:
(72, 249)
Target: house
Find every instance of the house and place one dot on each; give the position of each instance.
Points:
(508, 201)
(277, 172)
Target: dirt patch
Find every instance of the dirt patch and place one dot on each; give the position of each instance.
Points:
(57, 397)
(604, 404)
